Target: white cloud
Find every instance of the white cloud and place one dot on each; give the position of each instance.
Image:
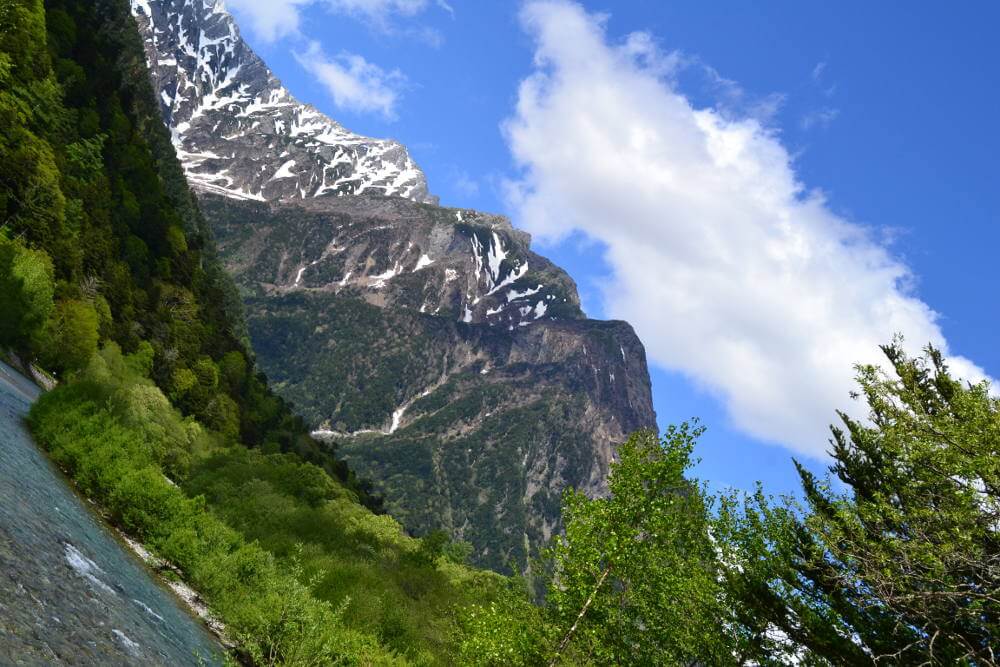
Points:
(271, 20)
(384, 16)
(817, 71)
(820, 118)
(378, 11)
(731, 99)
(731, 270)
(466, 185)
(354, 83)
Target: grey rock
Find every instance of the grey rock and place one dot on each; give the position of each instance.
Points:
(239, 132)
(395, 253)
(469, 410)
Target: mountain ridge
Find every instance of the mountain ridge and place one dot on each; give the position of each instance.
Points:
(429, 346)
(467, 410)
(228, 113)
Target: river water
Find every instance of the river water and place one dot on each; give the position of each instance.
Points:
(70, 593)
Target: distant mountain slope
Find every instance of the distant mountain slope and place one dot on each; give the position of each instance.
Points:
(446, 360)
(239, 132)
(456, 263)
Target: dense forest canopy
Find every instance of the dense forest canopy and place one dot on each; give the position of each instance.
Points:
(89, 178)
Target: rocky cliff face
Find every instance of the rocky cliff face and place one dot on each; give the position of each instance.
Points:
(239, 132)
(447, 361)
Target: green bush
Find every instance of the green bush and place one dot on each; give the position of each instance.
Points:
(70, 336)
(26, 291)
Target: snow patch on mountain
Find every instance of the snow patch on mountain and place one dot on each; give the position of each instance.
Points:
(239, 132)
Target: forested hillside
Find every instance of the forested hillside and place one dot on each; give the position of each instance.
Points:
(110, 282)
(90, 180)
(471, 424)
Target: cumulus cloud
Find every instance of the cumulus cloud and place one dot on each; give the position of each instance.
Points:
(354, 83)
(732, 271)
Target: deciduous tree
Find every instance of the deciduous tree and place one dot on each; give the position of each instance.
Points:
(635, 577)
(26, 289)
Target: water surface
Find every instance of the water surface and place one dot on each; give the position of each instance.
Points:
(70, 593)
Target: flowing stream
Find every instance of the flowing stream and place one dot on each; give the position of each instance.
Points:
(70, 593)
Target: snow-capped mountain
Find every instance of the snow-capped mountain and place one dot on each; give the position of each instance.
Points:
(457, 264)
(239, 132)
(445, 360)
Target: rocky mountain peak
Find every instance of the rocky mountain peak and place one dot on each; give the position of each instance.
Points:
(239, 132)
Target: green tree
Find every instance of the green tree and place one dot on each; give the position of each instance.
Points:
(182, 381)
(22, 32)
(222, 414)
(635, 577)
(26, 289)
(506, 630)
(71, 335)
(903, 566)
(233, 371)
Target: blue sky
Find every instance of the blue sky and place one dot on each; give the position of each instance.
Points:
(728, 119)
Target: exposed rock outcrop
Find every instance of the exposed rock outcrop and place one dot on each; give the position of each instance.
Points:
(239, 132)
(446, 360)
